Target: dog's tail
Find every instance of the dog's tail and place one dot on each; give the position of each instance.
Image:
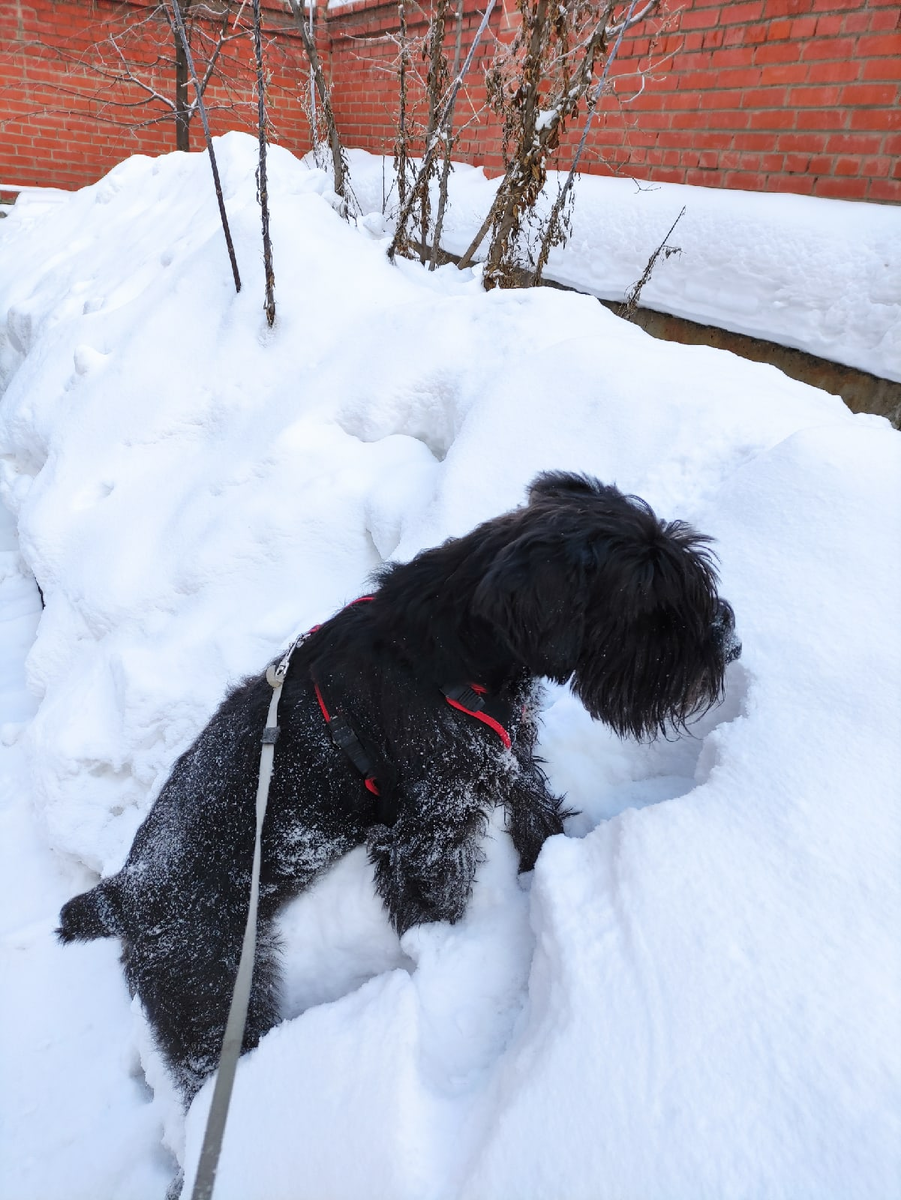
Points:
(93, 914)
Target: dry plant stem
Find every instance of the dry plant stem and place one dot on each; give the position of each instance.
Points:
(552, 227)
(201, 107)
(400, 150)
(473, 246)
(436, 84)
(442, 205)
(559, 44)
(442, 124)
(262, 186)
(634, 294)
(339, 166)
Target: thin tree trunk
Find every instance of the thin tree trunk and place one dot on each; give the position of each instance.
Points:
(179, 22)
(262, 187)
(442, 125)
(182, 103)
(342, 184)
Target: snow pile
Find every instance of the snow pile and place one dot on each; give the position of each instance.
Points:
(696, 993)
(817, 275)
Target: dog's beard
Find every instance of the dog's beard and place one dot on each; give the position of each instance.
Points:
(651, 689)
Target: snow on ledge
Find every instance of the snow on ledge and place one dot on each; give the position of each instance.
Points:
(805, 272)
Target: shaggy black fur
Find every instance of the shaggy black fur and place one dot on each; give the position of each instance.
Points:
(582, 584)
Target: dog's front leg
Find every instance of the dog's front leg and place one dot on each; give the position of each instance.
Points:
(426, 862)
(533, 812)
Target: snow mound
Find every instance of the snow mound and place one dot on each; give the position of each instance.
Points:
(696, 993)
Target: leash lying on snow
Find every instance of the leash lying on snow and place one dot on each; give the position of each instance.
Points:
(467, 698)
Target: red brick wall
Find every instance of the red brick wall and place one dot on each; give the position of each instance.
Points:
(777, 95)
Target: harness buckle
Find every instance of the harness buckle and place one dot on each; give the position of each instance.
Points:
(464, 694)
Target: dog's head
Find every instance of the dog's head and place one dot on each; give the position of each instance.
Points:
(589, 586)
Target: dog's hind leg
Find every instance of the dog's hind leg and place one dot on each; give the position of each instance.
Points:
(93, 914)
(185, 982)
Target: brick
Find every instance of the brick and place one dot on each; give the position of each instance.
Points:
(869, 94)
(885, 19)
(769, 97)
(815, 97)
(778, 30)
(787, 8)
(803, 143)
(822, 118)
(853, 143)
(777, 52)
(832, 5)
(786, 73)
(741, 13)
(753, 141)
(721, 100)
(880, 44)
(829, 26)
(731, 57)
(794, 184)
(797, 162)
(882, 68)
(885, 190)
(833, 72)
(803, 27)
(878, 166)
(841, 189)
(825, 47)
(775, 118)
(847, 166)
(745, 180)
(743, 77)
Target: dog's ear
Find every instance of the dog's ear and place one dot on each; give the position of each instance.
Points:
(534, 597)
(561, 485)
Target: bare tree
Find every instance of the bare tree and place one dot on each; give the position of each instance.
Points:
(438, 138)
(135, 74)
(179, 25)
(262, 183)
(339, 158)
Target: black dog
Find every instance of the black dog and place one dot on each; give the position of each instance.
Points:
(404, 720)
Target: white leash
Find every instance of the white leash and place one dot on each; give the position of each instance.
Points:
(237, 1013)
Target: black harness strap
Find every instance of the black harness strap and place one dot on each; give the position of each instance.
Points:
(472, 699)
(469, 698)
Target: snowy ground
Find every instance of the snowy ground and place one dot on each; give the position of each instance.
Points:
(697, 992)
(817, 275)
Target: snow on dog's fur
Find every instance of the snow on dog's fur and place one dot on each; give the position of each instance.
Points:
(583, 584)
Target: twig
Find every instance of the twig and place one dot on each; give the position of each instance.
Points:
(553, 222)
(441, 125)
(339, 163)
(209, 142)
(632, 296)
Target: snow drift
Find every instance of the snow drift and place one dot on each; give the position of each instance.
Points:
(696, 992)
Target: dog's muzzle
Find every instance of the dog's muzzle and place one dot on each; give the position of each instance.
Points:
(724, 632)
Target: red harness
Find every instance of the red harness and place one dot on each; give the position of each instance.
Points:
(469, 698)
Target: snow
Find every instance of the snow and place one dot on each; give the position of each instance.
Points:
(696, 992)
(817, 275)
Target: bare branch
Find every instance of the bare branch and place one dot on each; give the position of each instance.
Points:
(209, 142)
